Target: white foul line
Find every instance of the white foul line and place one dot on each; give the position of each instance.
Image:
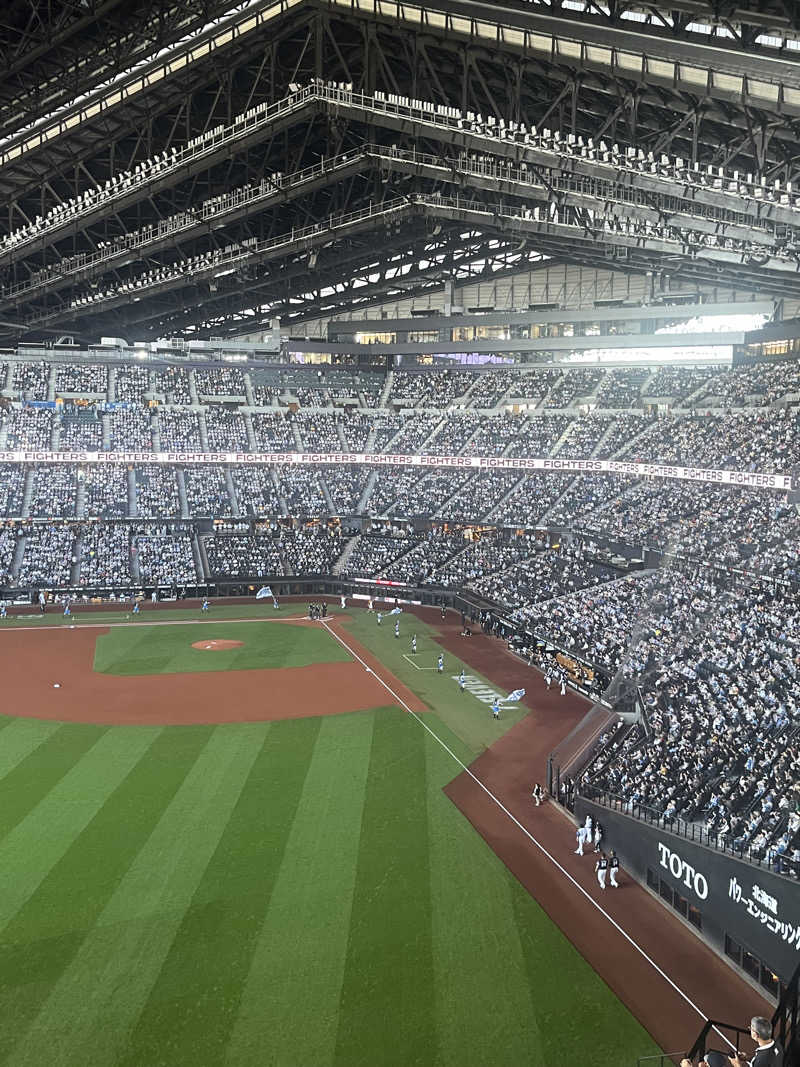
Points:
(703, 1015)
(415, 664)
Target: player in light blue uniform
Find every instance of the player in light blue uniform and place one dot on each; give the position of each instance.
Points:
(3, 611)
(461, 680)
(440, 663)
(397, 628)
(414, 645)
(67, 612)
(205, 606)
(379, 618)
(136, 607)
(496, 709)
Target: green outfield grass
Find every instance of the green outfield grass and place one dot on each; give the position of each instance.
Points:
(144, 649)
(299, 893)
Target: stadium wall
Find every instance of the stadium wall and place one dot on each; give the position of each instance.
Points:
(564, 284)
(739, 906)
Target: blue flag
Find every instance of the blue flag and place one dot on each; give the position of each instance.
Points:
(263, 592)
(396, 611)
(518, 694)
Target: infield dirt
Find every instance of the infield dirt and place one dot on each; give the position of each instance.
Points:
(64, 657)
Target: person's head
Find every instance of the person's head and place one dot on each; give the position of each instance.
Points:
(760, 1029)
(716, 1059)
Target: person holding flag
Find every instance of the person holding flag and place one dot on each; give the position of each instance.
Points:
(440, 663)
(379, 618)
(414, 645)
(461, 680)
(397, 628)
(496, 708)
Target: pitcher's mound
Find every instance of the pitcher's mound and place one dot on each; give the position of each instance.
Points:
(216, 645)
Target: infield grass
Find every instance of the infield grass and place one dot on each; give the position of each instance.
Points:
(131, 650)
(297, 893)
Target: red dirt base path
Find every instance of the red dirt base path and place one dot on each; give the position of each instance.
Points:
(44, 659)
(647, 938)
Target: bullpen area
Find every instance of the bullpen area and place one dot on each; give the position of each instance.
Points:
(227, 842)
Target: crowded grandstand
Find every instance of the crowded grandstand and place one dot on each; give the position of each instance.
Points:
(490, 309)
(670, 587)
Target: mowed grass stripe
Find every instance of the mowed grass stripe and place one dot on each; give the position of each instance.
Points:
(20, 738)
(32, 777)
(194, 1002)
(168, 649)
(44, 936)
(5, 722)
(574, 1007)
(476, 949)
(290, 1004)
(94, 1007)
(387, 1010)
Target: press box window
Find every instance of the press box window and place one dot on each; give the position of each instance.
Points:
(751, 964)
(733, 949)
(769, 981)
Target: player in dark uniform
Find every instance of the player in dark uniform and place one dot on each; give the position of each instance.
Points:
(613, 867)
(602, 868)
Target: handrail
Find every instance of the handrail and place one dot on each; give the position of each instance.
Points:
(238, 255)
(241, 254)
(739, 206)
(577, 188)
(679, 827)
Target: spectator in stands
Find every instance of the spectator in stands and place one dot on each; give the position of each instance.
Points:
(768, 1053)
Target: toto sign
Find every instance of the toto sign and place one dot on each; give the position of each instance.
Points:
(683, 871)
(757, 908)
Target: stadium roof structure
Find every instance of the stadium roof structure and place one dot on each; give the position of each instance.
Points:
(199, 168)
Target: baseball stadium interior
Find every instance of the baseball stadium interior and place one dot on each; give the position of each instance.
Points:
(485, 309)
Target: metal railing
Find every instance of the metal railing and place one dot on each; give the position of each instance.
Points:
(574, 174)
(689, 830)
(237, 256)
(146, 74)
(784, 1021)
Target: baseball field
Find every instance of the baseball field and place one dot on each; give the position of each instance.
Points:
(227, 842)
